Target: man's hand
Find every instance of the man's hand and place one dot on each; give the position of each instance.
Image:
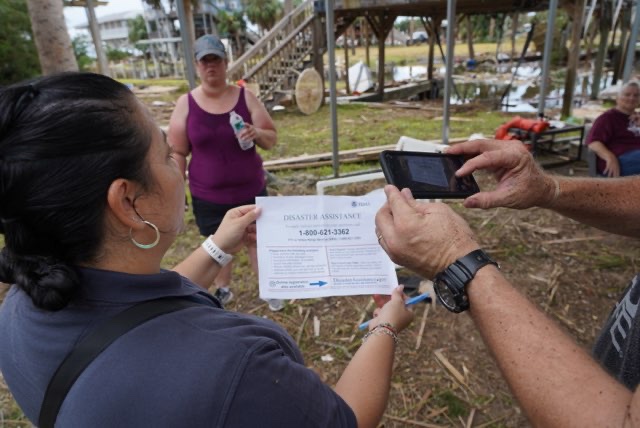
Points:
(424, 237)
(521, 182)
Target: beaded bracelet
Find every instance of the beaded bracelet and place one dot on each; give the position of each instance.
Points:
(384, 328)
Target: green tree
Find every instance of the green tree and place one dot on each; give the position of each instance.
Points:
(137, 32)
(558, 50)
(81, 50)
(264, 13)
(480, 25)
(404, 25)
(18, 54)
(233, 26)
(117, 55)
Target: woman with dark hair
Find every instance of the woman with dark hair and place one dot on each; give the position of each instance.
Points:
(91, 200)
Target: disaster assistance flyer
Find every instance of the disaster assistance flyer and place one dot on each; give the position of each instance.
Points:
(318, 246)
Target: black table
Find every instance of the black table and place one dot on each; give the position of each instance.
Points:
(554, 141)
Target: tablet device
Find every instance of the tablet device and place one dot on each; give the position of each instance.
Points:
(427, 175)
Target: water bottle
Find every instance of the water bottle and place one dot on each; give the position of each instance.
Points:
(237, 123)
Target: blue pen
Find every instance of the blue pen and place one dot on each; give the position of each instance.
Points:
(409, 302)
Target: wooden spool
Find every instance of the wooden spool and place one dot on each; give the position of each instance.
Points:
(309, 91)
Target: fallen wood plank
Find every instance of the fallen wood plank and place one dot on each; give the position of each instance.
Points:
(316, 326)
(310, 164)
(343, 348)
(326, 155)
(400, 106)
(363, 314)
(437, 412)
(412, 422)
(450, 368)
(553, 283)
(567, 240)
(422, 326)
(569, 323)
(323, 159)
(455, 119)
(301, 329)
(493, 422)
(540, 229)
(423, 401)
(469, 423)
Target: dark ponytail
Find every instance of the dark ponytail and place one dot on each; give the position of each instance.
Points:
(63, 140)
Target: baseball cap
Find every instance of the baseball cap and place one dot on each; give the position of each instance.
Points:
(209, 45)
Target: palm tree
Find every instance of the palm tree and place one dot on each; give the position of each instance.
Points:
(137, 32)
(263, 13)
(234, 26)
(51, 36)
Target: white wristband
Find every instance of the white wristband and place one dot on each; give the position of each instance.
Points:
(216, 253)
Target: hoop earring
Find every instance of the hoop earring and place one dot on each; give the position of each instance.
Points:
(146, 246)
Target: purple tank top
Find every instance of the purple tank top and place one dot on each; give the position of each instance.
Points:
(219, 170)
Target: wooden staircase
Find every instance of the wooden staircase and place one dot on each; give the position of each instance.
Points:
(275, 61)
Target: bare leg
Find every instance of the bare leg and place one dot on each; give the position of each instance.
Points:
(221, 283)
(224, 276)
(252, 252)
(274, 304)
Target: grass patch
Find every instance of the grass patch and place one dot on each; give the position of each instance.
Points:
(153, 82)
(361, 126)
(610, 261)
(455, 406)
(419, 54)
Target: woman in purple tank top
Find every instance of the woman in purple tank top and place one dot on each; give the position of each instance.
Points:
(225, 170)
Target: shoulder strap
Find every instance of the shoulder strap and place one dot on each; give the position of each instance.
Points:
(97, 341)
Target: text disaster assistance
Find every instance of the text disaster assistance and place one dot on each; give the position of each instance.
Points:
(318, 246)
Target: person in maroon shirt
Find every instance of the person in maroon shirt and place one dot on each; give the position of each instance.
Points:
(615, 135)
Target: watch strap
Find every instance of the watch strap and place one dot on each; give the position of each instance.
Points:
(472, 262)
(459, 273)
(216, 253)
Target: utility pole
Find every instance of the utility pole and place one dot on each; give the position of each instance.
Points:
(103, 65)
(574, 58)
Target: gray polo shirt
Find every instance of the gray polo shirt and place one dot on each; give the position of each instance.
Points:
(618, 346)
(200, 366)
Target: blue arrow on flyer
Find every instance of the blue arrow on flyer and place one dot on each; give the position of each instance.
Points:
(319, 283)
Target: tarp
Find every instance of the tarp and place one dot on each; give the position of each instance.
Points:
(360, 77)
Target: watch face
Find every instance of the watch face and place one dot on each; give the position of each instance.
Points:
(444, 294)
